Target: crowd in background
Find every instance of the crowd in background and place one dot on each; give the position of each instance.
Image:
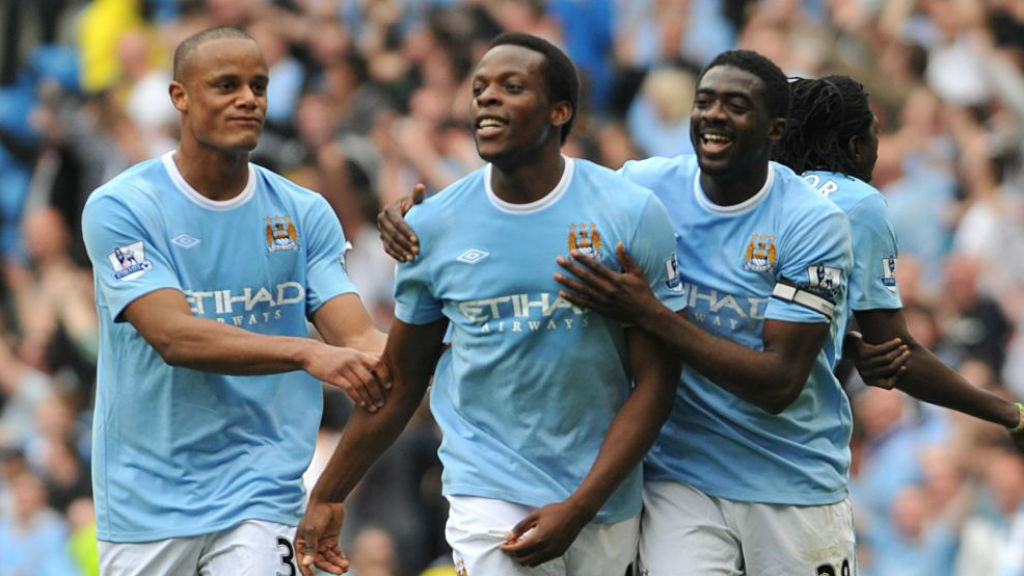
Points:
(369, 97)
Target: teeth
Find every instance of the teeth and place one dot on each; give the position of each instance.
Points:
(716, 138)
(488, 123)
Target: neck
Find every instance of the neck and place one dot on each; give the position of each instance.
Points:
(528, 181)
(216, 174)
(735, 188)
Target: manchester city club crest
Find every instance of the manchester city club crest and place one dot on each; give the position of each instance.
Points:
(760, 255)
(281, 234)
(585, 239)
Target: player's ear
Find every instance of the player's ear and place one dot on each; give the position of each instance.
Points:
(561, 113)
(776, 129)
(853, 147)
(179, 97)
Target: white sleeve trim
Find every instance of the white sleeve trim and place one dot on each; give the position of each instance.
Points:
(789, 293)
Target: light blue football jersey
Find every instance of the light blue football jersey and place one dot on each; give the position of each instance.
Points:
(531, 383)
(873, 280)
(730, 259)
(180, 452)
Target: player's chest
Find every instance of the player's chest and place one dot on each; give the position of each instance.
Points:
(520, 256)
(251, 249)
(743, 253)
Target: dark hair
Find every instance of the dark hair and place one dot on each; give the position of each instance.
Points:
(189, 45)
(563, 82)
(826, 113)
(776, 86)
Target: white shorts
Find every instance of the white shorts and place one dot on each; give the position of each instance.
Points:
(253, 548)
(685, 532)
(477, 526)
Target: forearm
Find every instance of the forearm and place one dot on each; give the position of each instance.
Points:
(637, 423)
(365, 438)
(630, 436)
(928, 379)
(765, 378)
(210, 346)
(410, 356)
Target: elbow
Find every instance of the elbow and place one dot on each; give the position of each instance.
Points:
(171, 349)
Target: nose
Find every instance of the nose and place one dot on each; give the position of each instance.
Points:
(247, 98)
(714, 111)
(488, 97)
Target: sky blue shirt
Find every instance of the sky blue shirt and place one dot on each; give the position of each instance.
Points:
(873, 280)
(730, 259)
(180, 452)
(532, 383)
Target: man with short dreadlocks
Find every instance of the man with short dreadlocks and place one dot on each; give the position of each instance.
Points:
(832, 139)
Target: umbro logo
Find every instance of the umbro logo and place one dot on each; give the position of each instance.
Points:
(472, 256)
(185, 241)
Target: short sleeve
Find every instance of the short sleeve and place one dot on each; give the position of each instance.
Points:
(326, 276)
(815, 259)
(415, 302)
(127, 260)
(873, 280)
(654, 248)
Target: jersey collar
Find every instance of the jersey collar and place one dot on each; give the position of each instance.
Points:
(537, 205)
(735, 209)
(194, 195)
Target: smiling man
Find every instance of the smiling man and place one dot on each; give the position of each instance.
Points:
(749, 475)
(207, 268)
(545, 410)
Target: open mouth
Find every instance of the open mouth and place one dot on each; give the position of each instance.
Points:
(715, 143)
(490, 127)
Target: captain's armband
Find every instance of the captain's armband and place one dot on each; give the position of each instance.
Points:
(804, 296)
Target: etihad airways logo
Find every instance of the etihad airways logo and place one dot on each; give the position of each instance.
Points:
(713, 308)
(246, 306)
(524, 313)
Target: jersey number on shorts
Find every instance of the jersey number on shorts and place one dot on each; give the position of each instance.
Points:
(830, 570)
(287, 555)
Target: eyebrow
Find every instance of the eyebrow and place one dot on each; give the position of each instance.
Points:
(727, 93)
(235, 76)
(502, 75)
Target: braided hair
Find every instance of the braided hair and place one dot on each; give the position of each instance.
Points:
(826, 113)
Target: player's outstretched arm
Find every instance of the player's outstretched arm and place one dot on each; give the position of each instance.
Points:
(400, 242)
(770, 378)
(550, 530)
(929, 380)
(410, 356)
(164, 319)
(343, 321)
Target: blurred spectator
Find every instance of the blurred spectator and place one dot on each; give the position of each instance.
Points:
(400, 494)
(993, 542)
(82, 543)
(977, 326)
(372, 553)
(659, 118)
(34, 536)
(143, 88)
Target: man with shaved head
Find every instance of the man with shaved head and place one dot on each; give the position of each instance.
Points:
(207, 268)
